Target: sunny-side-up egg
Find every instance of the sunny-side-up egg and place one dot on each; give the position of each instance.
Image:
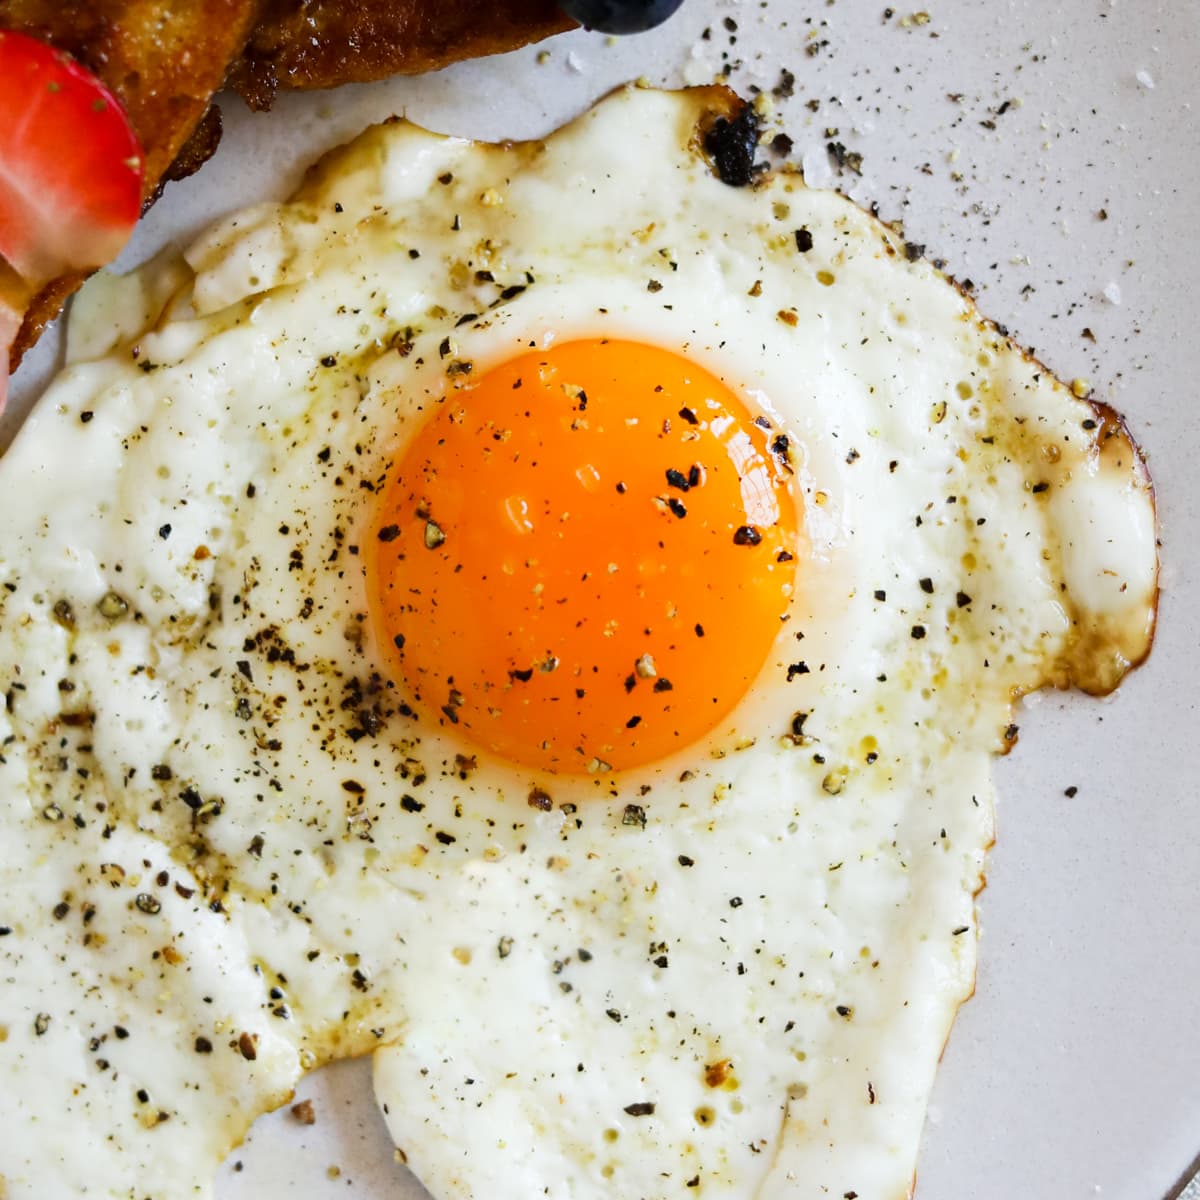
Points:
(546, 614)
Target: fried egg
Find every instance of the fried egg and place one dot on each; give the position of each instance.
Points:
(542, 615)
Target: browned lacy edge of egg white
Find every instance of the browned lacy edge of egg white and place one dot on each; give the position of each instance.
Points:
(1099, 652)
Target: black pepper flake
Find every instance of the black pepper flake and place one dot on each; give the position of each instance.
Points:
(61, 909)
(164, 532)
(411, 804)
(689, 416)
(523, 675)
(1070, 794)
(736, 902)
(447, 839)
(510, 293)
(962, 599)
(918, 632)
(927, 586)
(850, 160)
(243, 667)
(845, 1010)
(1010, 734)
(699, 629)
(732, 145)
(633, 722)
(634, 814)
(540, 800)
(804, 240)
(613, 1015)
(663, 685)
(677, 507)
(746, 535)
(5, 930)
(913, 250)
(643, 1108)
(797, 668)
(330, 360)
(121, 1032)
(248, 1045)
(86, 416)
(685, 861)
(203, 1045)
(1038, 488)
(389, 533)
(677, 479)
(960, 929)
(41, 1023)
(64, 614)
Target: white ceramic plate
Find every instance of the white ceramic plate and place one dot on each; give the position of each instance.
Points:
(998, 133)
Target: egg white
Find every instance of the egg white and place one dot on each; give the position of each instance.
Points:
(737, 967)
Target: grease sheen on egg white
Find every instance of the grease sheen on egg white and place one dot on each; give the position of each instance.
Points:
(230, 850)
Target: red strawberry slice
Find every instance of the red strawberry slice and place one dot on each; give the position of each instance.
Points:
(70, 174)
(70, 166)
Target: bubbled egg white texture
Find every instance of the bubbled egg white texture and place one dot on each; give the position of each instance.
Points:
(237, 841)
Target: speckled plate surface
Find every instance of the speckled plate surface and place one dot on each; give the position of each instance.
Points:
(1050, 155)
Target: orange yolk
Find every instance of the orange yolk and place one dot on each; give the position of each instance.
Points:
(583, 559)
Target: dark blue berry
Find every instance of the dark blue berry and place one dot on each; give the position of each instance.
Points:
(620, 16)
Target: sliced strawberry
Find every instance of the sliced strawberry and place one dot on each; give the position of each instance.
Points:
(70, 166)
(70, 172)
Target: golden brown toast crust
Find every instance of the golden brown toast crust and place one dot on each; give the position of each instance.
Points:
(164, 59)
(323, 43)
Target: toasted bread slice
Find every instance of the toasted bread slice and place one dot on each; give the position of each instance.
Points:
(322, 43)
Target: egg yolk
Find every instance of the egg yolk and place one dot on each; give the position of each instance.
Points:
(583, 558)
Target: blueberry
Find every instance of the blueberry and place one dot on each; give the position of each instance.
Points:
(620, 16)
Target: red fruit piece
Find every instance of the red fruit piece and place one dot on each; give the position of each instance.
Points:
(71, 172)
(70, 166)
